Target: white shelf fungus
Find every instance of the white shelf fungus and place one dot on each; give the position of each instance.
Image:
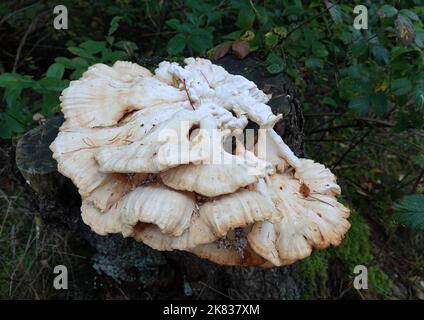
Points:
(160, 157)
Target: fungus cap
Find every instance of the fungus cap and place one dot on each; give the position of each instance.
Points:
(148, 153)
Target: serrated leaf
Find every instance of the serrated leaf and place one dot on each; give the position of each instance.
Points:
(176, 44)
(410, 211)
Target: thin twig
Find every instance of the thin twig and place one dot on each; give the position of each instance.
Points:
(188, 94)
(22, 43)
(351, 147)
(6, 17)
(310, 19)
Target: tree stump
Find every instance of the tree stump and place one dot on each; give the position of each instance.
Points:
(174, 274)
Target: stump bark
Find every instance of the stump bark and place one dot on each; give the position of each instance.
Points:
(165, 274)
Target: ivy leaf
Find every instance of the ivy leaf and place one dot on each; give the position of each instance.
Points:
(56, 70)
(387, 11)
(410, 211)
(176, 44)
(359, 105)
(401, 86)
(405, 30)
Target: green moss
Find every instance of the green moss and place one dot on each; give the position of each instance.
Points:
(355, 249)
(314, 271)
(379, 282)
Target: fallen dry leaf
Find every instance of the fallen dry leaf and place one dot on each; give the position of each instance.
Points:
(240, 49)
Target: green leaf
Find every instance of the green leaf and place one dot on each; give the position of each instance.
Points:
(15, 80)
(410, 211)
(401, 86)
(93, 47)
(12, 96)
(246, 18)
(281, 31)
(9, 126)
(359, 105)
(379, 103)
(112, 56)
(275, 68)
(329, 101)
(51, 84)
(380, 53)
(405, 30)
(387, 11)
(174, 24)
(114, 24)
(176, 44)
(233, 35)
(419, 159)
(271, 39)
(56, 70)
(274, 63)
(313, 63)
(81, 53)
(200, 40)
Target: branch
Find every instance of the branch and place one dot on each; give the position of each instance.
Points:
(351, 147)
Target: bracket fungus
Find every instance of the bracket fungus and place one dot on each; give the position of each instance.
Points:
(161, 157)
